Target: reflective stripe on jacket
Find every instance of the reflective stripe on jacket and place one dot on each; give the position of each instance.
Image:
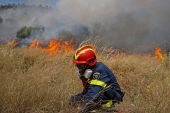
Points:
(102, 84)
(104, 77)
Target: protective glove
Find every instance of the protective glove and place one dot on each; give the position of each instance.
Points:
(76, 99)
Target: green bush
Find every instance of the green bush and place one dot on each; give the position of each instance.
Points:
(24, 32)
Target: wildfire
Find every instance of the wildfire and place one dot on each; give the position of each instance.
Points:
(34, 44)
(12, 43)
(68, 46)
(55, 46)
(158, 53)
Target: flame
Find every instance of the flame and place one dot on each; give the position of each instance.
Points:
(34, 44)
(54, 46)
(158, 53)
(68, 46)
(12, 43)
(57, 46)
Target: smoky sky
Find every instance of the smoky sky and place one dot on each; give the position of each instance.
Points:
(137, 25)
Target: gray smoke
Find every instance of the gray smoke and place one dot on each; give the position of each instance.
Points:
(36, 2)
(136, 25)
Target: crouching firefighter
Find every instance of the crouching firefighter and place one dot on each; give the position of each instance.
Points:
(100, 84)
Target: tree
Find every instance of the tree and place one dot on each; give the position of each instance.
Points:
(24, 32)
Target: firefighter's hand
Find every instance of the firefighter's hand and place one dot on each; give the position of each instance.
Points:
(75, 99)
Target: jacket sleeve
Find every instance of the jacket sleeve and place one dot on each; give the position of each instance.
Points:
(92, 90)
(84, 82)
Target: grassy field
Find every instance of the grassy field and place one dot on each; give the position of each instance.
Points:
(34, 82)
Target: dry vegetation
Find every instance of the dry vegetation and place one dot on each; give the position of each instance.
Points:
(34, 82)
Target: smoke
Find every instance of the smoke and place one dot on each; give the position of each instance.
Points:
(36, 2)
(136, 25)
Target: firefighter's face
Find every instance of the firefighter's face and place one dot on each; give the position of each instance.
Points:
(81, 68)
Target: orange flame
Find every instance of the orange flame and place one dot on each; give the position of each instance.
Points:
(12, 43)
(158, 53)
(68, 46)
(56, 46)
(34, 44)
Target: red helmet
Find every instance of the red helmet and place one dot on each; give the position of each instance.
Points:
(85, 55)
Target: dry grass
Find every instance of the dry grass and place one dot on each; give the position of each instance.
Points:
(34, 82)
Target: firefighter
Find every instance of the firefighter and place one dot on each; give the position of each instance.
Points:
(95, 76)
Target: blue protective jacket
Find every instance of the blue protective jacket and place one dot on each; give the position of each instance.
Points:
(103, 73)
